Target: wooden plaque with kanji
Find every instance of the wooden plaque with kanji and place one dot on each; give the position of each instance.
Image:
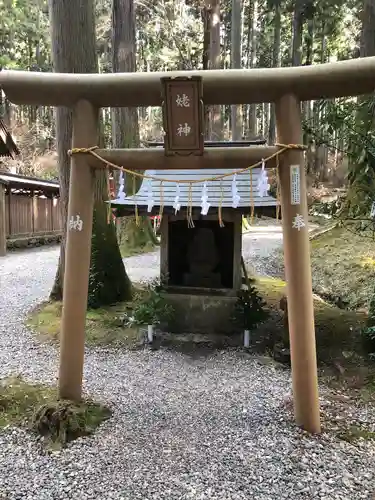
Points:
(183, 116)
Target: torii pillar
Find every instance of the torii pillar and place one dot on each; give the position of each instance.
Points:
(77, 254)
(297, 266)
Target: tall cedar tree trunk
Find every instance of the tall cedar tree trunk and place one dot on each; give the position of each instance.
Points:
(321, 151)
(206, 20)
(215, 63)
(297, 33)
(74, 51)
(275, 64)
(236, 25)
(125, 125)
(307, 105)
(367, 49)
(253, 10)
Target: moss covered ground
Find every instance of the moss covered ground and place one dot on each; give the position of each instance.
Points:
(343, 266)
(129, 251)
(103, 325)
(37, 408)
(337, 330)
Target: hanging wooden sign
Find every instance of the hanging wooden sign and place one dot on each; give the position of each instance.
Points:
(183, 115)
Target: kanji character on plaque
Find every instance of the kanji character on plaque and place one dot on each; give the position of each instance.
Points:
(184, 129)
(183, 101)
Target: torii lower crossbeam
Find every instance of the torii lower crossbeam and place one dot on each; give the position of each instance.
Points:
(213, 158)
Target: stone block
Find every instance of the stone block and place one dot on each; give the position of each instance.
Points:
(201, 314)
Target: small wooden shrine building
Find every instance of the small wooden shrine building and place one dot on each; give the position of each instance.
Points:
(29, 211)
(201, 237)
(177, 237)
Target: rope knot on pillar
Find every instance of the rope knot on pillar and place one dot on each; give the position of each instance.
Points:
(285, 147)
(82, 150)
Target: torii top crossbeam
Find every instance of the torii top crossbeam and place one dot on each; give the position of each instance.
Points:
(339, 79)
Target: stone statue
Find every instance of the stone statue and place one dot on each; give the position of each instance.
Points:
(203, 257)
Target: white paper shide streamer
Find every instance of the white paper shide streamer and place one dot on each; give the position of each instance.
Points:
(177, 204)
(204, 199)
(235, 196)
(263, 185)
(121, 192)
(372, 213)
(150, 196)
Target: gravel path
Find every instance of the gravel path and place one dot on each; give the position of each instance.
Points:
(201, 429)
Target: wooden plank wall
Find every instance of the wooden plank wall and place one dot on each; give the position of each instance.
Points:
(28, 216)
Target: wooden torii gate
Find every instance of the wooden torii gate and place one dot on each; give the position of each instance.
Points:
(286, 87)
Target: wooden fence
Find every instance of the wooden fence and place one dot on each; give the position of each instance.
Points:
(31, 216)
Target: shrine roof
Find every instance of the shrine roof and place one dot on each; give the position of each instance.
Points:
(247, 197)
(8, 147)
(23, 183)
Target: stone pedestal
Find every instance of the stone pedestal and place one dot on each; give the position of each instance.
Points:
(205, 314)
